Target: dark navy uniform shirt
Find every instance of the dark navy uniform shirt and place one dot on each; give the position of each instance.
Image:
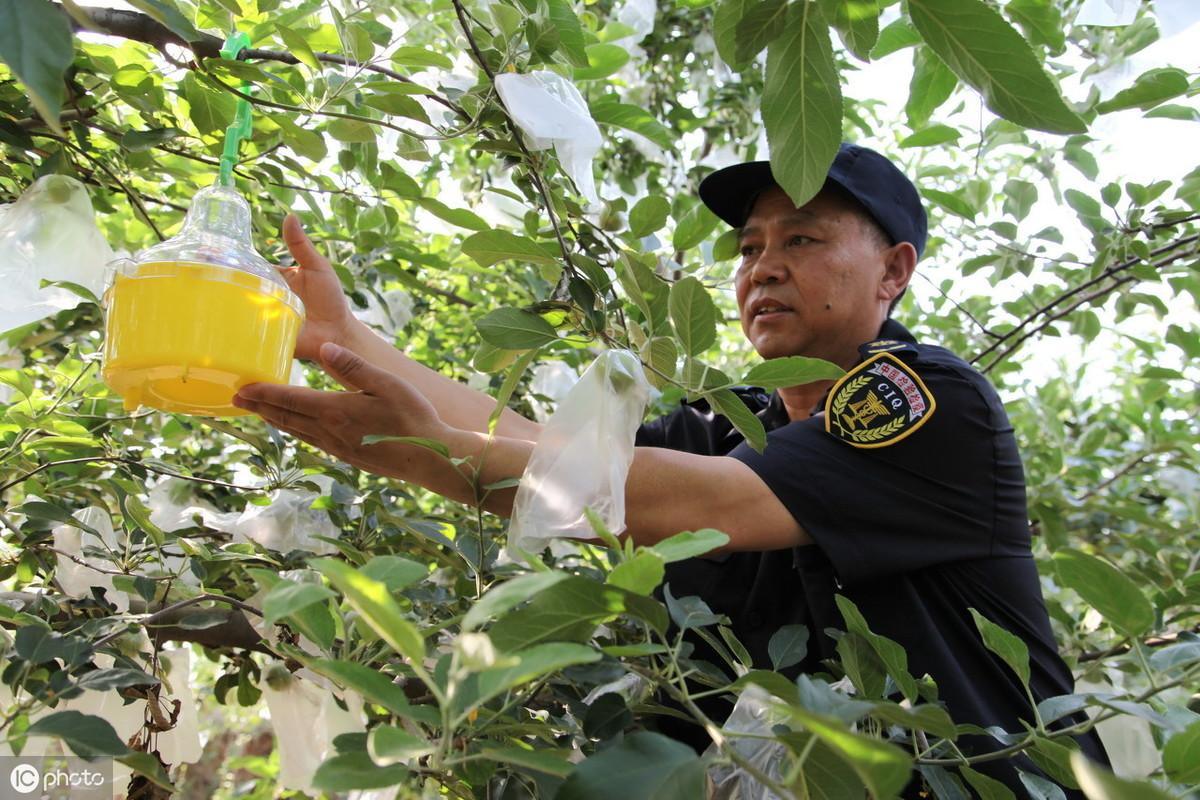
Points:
(916, 527)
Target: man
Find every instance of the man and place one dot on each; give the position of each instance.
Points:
(899, 487)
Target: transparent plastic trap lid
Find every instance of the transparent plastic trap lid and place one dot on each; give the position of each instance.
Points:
(217, 231)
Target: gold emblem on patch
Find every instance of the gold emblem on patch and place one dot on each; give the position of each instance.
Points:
(878, 403)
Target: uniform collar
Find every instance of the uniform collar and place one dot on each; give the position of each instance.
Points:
(775, 414)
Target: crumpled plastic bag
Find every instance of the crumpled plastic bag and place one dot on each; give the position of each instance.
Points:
(49, 234)
(288, 523)
(551, 380)
(306, 719)
(639, 16)
(393, 313)
(752, 714)
(1107, 13)
(552, 113)
(76, 572)
(583, 455)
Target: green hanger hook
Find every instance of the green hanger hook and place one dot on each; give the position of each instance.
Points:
(241, 127)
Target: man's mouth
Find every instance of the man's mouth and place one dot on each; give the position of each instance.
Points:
(768, 308)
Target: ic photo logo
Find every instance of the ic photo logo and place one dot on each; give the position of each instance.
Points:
(25, 778)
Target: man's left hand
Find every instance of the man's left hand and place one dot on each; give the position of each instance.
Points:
(379, 403)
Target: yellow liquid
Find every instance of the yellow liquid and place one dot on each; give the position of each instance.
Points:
(184, 337)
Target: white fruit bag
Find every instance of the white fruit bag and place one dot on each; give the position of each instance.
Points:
(583, 455)
(550, 110)
(49, 234)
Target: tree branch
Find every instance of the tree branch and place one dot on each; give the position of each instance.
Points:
(144, 28)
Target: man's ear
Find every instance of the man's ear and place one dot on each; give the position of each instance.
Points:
(900, 261)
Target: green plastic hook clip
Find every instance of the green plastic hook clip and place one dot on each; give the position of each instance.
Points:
(241, 127)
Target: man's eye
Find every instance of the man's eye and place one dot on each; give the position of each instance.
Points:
(800, 240)
(748, 250)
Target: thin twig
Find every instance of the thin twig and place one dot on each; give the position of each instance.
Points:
(1083, 287)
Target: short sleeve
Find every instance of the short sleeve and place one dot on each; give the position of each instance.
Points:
(952, 490)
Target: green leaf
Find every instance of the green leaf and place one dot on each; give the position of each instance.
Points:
(38, 644)
(388, 744)
(883, 767)
(694, 315)
(1181, 756)
(608, 110)
(351, 131)
(788, 646)
(647, 291)
(779, 373)
(550, 762)
(148, 765)
(168, 14)
(802, 104)
(931, 718)
(1019, 197)
(288, 597)
(661, 354)
(932, 84)
(742, 28)
(1171, 111)
(395, 572)
(349, 771)
(857, 24)
(1041, 20)
(986, 787)
(732, 408)
(1100, 784)
(570, 32)
(491, 247)
(891, 654)
(209, 110)
(933, 135)
(88, 736)
(509, 595)
(108, 680)
(514, 329)
(642, 766)
(1010, 647)
(375, 687)
(690, 544)
(953, 202)
(974, 41)
(603, 60)
(1152, 88)
(419, 57)
(1108, 590)
(570, 610)
(371, 599)
(35, 43)
(455, 216)
(641, 574)
(298, 46)
(396, 104)
(896, 36)
(530, 664)
(694, 226)
(648, 215)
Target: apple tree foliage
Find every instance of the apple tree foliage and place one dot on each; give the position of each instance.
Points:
(379, 123)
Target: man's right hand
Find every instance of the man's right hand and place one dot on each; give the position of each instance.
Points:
(326, 309)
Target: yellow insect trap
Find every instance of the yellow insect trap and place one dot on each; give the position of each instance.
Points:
(190, 321)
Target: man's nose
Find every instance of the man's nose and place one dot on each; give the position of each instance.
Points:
(770, 266)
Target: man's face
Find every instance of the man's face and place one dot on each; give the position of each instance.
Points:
(811, 279)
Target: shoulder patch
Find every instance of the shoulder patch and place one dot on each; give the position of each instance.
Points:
(878, 403)
(886, 346)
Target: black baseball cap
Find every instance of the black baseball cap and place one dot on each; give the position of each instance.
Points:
(883, 190)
